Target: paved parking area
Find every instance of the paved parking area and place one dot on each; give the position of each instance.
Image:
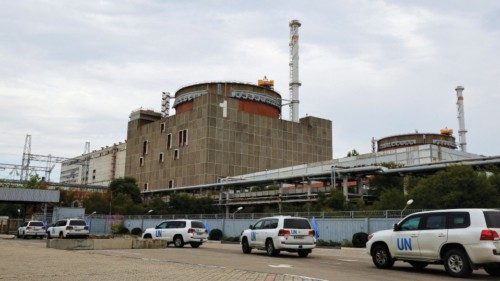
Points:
(29, 260)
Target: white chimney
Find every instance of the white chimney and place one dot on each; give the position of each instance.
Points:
(294, 70)
(461, 119)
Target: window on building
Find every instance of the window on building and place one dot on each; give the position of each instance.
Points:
(162, 127)
(176, 154)
(161, 158)
(171, 184)
(169, 141)
(146, 186)
(141, 161)
(183, 138)
(145, 147)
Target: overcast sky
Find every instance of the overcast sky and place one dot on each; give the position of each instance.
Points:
(72, 71)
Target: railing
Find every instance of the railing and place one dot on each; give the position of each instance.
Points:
(318, 215)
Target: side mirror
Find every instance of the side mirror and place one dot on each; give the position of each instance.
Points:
(251, 227)
(157, 227)
(396, 227)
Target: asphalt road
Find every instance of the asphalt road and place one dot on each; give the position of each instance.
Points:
(212, 261)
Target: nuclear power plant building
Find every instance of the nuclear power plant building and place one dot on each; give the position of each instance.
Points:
(220, 129)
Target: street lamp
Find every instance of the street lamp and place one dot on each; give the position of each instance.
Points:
(237, 210)
(408, 203)
(142, 220)
(18, 216)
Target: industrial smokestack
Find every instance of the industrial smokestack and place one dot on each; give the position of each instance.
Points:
(294, 70)
(461, 119)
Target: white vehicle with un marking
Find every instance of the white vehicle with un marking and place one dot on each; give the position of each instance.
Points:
(461, 239)
(280, 233)
(31, 228)
(179, 232)
(68, 228)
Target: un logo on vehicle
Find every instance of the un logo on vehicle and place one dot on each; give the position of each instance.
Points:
(404, 244)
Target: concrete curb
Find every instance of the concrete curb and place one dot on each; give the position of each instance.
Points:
(105, 244)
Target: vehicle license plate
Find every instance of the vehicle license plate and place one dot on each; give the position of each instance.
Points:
(298, 237)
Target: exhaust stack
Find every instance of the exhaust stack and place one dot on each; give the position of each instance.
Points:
(294, 70)
(461, 119)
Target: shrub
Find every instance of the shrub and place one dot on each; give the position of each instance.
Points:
(215, 234)
(359, 239)
(119, 229)
(231, 238)
(136, 231)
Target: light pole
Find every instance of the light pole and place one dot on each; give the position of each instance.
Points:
(90, 222)
(18, 216)
(142, 221)
(237, 210)
(408, 203)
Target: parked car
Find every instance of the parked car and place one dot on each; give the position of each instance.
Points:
(31, 228)
(67, 228)
(461, 239)
(179, 232)
(280, 233)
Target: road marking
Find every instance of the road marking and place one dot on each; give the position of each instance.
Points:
(348, 260)
(280, 265)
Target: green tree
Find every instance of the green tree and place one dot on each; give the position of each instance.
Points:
(127, 186)
(122, 204)
(157, 204)
(353, 152)
(96, 202)
(391, 199)
(337, 200)
(455, 187)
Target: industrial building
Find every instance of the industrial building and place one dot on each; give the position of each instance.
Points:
(220, 129)
(98, 167)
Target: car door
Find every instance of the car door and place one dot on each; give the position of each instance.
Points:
(254, 233)
(432, 235)
(168, 232)
(269, 228)
(405, 237)
(160, 231)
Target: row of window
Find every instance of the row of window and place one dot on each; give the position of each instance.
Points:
(436, 221)
(161, 158)
(170, 185)
(182, 141)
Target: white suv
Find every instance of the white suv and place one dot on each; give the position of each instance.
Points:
(280, 233)
(31, 228)
(179, 232)
(462, 239)
(68, 228)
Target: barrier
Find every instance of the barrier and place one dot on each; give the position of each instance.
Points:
(105, 244)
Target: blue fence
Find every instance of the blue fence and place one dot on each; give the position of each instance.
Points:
(335, 229)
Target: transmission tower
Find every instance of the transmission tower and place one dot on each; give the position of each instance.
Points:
(26, 159)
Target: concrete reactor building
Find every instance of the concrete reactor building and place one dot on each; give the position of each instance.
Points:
(220, 129)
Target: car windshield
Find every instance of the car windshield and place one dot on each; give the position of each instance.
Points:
(492, 219)
(296, 224)
(197, 224)
(77, 223)
(36, 223)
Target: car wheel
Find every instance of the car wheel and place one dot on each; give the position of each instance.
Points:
(48, 235)
(270, 250)
(303, 253)
(493, 269)
(419, 264)
(178, 241)
(382, 257)
(24, 235)
(457, 263)
(18, 234)
(245, 247)
(195, 244)
(148, 236)
(61, 235)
